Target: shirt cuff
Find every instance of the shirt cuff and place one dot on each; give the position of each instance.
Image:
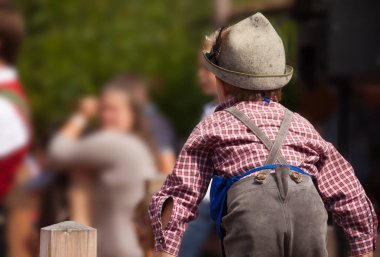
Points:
(168, 242)
(362, 246)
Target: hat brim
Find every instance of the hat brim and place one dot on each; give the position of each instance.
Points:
(250, 81)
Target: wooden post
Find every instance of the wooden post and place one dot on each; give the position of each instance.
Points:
(68, 239)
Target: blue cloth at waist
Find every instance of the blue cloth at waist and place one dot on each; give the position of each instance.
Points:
(220, 186)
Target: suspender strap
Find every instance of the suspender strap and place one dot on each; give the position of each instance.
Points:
(283, 131)
(273, 147)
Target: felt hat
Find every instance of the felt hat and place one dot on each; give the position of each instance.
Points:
(250, 55)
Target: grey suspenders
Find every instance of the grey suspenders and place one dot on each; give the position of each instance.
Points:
(273, 147)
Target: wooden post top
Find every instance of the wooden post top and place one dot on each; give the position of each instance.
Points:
(67, 226)
(68, 239)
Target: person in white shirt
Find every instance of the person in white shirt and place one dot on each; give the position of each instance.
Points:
(14, 111)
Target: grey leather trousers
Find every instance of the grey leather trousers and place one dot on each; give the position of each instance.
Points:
(275, 215)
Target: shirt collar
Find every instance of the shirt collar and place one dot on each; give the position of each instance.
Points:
(232, 102)
(226, 104)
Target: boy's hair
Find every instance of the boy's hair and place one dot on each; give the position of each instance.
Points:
(241, 94)
(11, 32)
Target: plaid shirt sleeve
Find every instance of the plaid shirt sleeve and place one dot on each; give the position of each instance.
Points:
(346, 199)
(187, 186)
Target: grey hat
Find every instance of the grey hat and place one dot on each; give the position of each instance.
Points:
(250, 55)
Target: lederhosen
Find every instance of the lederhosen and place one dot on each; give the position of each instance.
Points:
(269, 214)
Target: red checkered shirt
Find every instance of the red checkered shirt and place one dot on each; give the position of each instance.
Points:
(222, 145)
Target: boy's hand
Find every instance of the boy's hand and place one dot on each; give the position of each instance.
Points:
(163, 254)
(88, 106)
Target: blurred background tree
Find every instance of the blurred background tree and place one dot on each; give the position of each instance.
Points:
(73, 47)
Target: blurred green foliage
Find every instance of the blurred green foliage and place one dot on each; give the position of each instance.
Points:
(73, 47)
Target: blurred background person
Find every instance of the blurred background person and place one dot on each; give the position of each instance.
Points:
(15, 130)
(161, 130)
(143, 227)
(206, 82)
(118, 158)
(198, 231)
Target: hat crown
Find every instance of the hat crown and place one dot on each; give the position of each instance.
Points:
(253, 46)
(250, 55)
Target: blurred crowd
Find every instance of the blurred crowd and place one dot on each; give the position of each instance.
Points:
(100, 166)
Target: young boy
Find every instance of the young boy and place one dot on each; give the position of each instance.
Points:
(277, 211)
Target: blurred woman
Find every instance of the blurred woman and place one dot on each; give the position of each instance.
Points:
(120, 153)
